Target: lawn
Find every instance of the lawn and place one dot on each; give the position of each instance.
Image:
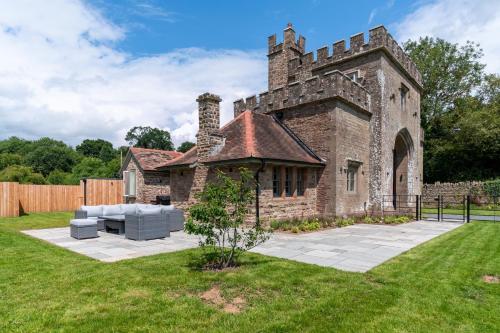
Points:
(460, 211)
(436, 287)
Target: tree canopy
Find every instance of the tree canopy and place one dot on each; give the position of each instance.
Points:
(97, 148)
(185, 146)
(460, 111)
(149, 137)
(50, 161)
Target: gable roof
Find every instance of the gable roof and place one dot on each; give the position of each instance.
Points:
(254, 135)
(149, 159)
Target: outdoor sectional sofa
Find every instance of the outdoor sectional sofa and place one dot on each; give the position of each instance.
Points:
(136, 221)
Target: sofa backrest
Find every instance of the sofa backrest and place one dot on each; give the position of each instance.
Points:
(92, 211)
(122, 209)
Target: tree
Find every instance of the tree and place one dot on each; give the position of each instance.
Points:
(14, 145)
(185, 146)
(47, 155)
(458, 110)
(219, 217)
(8, 159)
(58, 177)
(97, 148)
(449, 72)
(90, 167)
(21, 174)
(148, 137)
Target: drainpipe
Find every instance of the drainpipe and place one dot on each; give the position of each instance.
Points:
(257, 190)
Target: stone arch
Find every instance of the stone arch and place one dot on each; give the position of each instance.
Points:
(403, 160)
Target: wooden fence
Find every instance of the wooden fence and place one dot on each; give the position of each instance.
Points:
(17, 199)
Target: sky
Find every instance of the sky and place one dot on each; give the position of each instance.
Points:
(77, 69)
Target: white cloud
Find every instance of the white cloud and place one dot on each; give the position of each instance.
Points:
(372, 15)
(61, 76)
(457, 21)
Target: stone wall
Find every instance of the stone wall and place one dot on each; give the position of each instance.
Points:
(451, 190)
(187, 182)
(149, 184)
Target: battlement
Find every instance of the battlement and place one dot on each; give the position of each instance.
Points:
(379, 38)
(332, 84)
(289, 41)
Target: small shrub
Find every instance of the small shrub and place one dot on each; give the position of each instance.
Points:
(295, 230)
(344, 222)
(393, 219)
(369, 220)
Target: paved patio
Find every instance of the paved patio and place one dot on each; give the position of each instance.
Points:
(110, 247)
(356, 248)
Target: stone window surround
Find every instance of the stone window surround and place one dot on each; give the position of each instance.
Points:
(126, 181)
(293, 182)
(404, 93)
(353, 168)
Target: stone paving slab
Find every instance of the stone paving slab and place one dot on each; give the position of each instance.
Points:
(111, 248)
(356, 248)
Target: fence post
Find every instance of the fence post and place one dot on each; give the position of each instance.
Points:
(439, 207)
(468, 208)
(417, 207)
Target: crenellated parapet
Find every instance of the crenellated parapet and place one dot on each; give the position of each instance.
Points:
(302, 66)
(332, 84)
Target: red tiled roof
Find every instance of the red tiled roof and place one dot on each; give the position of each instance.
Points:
(150, 159)
(255, 135)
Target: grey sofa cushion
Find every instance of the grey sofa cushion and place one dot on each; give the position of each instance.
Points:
(140, 205)
(83, 223)
(128, 209)
(111, 210)
(92, 211)
(149, 211)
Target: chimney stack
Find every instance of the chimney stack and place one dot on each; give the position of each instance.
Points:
(209, 135)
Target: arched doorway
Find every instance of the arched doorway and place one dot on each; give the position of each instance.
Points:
(402, 153)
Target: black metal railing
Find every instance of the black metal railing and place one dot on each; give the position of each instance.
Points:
(455, 208)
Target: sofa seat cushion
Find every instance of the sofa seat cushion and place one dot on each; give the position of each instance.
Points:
(82, 223)
(109, 210)
(92, 211)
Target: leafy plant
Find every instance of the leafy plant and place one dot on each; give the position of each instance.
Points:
(344, 222)
(219, 218)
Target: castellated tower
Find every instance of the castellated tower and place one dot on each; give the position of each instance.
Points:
(279, 56)
(356, 104)
(209, 136)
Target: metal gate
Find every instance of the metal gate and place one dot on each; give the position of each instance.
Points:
(444, 208)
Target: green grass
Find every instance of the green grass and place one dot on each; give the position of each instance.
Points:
(436, 287)
(455, 211)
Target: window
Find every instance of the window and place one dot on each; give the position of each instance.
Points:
(276, 182)
(353, 76)
(130, 183)
(300, 182)
(288, 182)
(352, 172)
(404, 96)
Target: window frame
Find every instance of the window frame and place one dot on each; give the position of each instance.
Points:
(288, 182)
(300, 182)
(128, 175)
(276, 182)
(403, 96)
(352, 178)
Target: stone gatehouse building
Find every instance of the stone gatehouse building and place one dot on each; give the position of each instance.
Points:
(335, 132)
